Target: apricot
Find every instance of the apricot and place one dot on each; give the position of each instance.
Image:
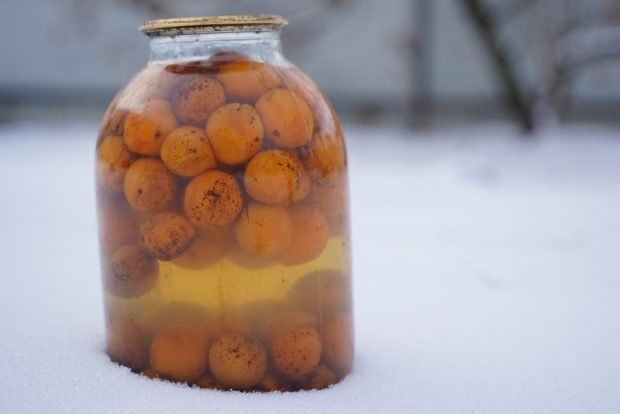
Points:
(152, 82)
(287, 321)
(166, 235)
(321, 378)
(180, 353)
(310, 236)
(264, 230)
(322, 291)
(149, 187)
(113, 121)
(337, 336)
(326, 157)
(238, 360)
(132, 272)
(212, 199)
(186, 152)
(333, 200)
(301, 85)
(296, 352)
(218, 326)
(246, 81)
(206, 249)
(126, 343)
(235, 132)
(117, 226)
(197, 98)
(286, 117)
(113, 160)
(146, 128)
(271, 383)
(276, 177)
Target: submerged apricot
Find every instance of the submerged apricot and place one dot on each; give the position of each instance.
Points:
(322, 377)
(117, 226)
(286, 117)
(296, 352)
(126, 343)
(149, 186)
(180, 353)
(197, 98)
(238, 360)
(246, 81)
(113, 160)
(276, 177)
(186, 152)
(310, 236)
(337, 336)
(206, 249)
(166, 235)
(326, 157)
(132, 272)
(264, 230)
(235, 132)
(212, 199)
(147, 126)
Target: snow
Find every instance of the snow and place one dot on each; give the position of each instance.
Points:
(487, 278)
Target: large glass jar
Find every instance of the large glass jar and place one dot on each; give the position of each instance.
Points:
(223, 214)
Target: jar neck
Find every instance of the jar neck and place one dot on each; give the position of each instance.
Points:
(262, 46)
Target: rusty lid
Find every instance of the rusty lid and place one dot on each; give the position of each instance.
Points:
(193, 25)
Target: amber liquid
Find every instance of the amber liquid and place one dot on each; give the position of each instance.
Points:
(208, 297)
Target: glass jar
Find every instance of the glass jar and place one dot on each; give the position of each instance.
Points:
(223, 214)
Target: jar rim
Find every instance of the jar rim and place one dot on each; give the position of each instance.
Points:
(193, 25)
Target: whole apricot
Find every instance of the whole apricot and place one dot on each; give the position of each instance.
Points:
(286, 117)
(326, 157)
(246, 81)
(310, 236)
(296, 352)
(126, 343)
(132, 272)
(206, 249)
(166, 235)
(113, 161)
(180, 353)
(238, 360)
(264, 230)
(197, 98)
(337, 338)
(186, 151)
(212, 199)
(276, 177)
(147, 126)
(235, 132)
(149, 186)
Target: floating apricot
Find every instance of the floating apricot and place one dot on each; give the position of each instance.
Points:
(337, 335)
(132, 272)
(166, 235)
(180, 353)
(149, 186)
(310, 236)
(212, 199)
(126, 343)
(146, 128)
(321, 378)
(286, 117)
(326, 157)
(238, 360)
(186, 152)
(264, 230)
(197, 98)
(246, 81)
(113, 160)
(276, 177)
(322, 291)
(296, 352)
(206, 249)
(235, 132)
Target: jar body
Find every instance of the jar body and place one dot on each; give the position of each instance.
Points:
(222, 199)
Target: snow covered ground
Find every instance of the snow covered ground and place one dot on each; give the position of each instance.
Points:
(487, 278)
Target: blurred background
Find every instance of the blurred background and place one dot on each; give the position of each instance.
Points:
(416, 62)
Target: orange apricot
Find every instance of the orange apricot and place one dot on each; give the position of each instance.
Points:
(321, 378)
(246, 81)
(296, 352)
(180, 353)
(206, 249)
(235, 132)
(238, 360)
(166, 235)
(149, 186)
(197, 98)
(126, 343)
(322, 291)
(186, 152)
(146, 128)
(117, 226)
(276, 177)
(113, 160)
(113, 121)
(326, 157)
(132, 272)
(264, 230)
(337, 339)
(286, 117)
(310, 236)
(212, 199)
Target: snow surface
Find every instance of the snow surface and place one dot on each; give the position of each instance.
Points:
(487, 278)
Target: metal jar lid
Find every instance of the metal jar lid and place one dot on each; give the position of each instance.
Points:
(206, 24)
